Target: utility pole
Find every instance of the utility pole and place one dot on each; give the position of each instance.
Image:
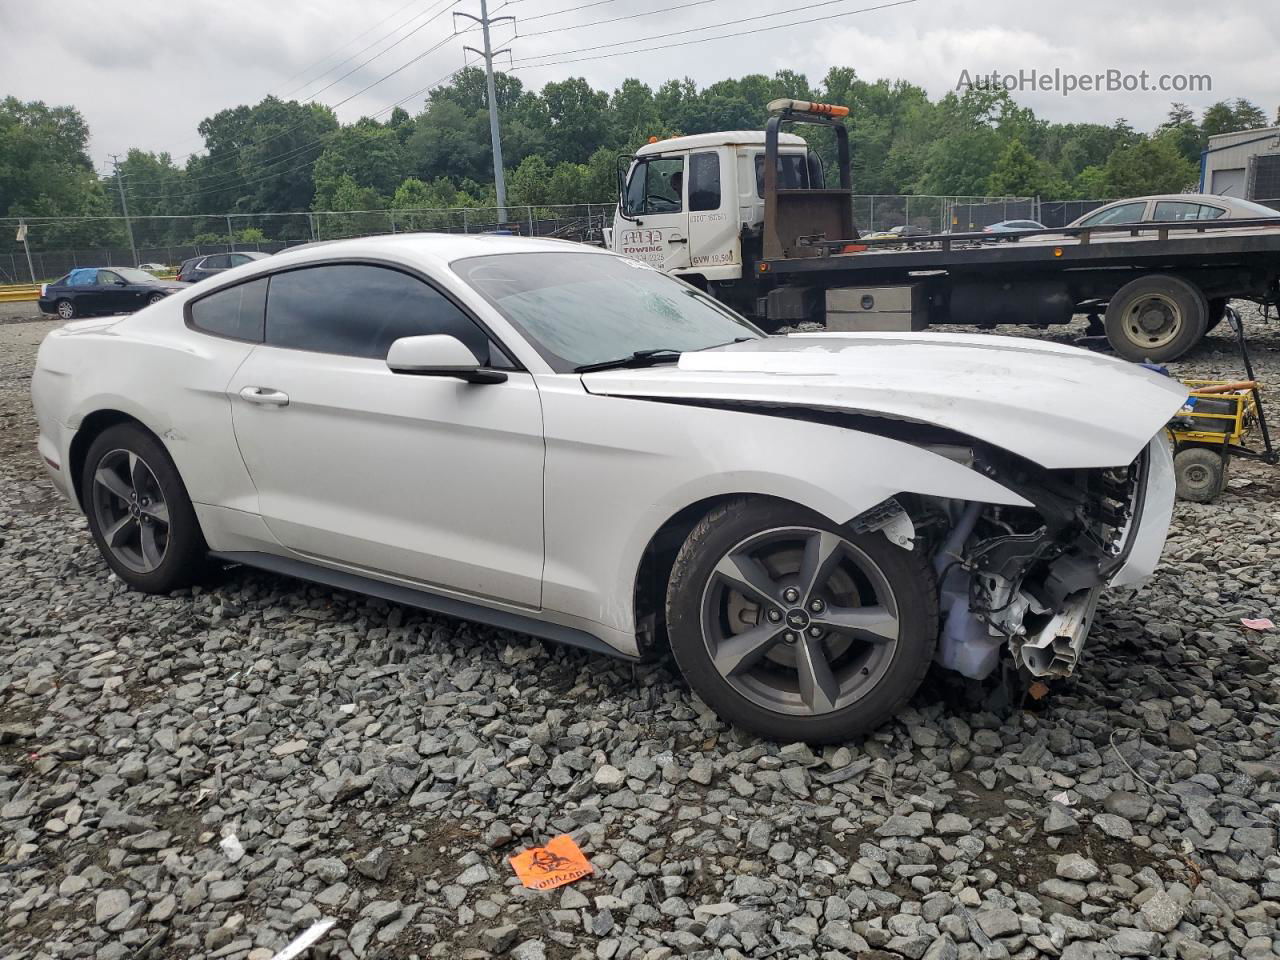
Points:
(495, 136)
(124, 206)
(22, 235)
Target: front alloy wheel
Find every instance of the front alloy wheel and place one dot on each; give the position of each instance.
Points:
(799, 620)
(796, 628)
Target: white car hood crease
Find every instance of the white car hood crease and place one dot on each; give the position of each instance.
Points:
(1058, 406)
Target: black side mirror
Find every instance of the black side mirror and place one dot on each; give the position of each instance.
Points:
(120, 283)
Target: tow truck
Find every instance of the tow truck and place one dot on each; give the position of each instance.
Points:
(749, 217)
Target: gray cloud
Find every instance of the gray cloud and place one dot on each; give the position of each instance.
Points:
(145, 73)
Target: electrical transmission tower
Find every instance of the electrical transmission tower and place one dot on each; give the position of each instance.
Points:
(495, 135)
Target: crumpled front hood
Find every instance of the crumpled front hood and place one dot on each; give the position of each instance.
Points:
(1058, 406)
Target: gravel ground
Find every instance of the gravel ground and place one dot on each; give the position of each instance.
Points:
(207, 774)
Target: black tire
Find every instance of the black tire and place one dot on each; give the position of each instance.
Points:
(1217, 313)
(1156, 318)
(897, 674)
(66, 309)
(1200, 474)
(184, 554)
(154, 299)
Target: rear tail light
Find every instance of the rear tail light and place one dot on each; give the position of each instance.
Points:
(44, 290)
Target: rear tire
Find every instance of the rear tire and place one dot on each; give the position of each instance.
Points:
(1156, 318)
(154, 299)
(830, 644)
(1200, 474)
(1217, 312)
(66, 309)
(139, 512)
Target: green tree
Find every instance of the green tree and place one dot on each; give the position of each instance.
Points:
(259, 158)
(1017, 173)
(45, 171)
(1150, 166)
(1224, 117)
(369, 154)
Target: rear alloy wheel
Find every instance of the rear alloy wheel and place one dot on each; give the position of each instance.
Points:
(1156, 318)
(154, 299)
(796, 629)
(139, 511)
(66, 310)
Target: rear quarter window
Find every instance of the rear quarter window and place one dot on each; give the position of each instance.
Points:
(238, 312)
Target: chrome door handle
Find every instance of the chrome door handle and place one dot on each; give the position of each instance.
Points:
(265, 395)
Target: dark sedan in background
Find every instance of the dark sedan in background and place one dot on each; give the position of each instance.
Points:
(87, 291)
(212, 264)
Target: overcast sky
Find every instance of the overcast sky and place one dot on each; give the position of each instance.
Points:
(144, 73)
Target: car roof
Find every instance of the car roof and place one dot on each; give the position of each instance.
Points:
(423, 248)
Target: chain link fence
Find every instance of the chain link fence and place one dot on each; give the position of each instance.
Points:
(167, 241)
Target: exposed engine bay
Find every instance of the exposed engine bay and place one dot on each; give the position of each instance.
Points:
(1023, 577)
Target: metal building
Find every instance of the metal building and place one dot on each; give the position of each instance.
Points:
(1244, 164)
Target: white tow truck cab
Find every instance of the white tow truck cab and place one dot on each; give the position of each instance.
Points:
(686, 202)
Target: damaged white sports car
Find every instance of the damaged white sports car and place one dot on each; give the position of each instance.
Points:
(558, 440)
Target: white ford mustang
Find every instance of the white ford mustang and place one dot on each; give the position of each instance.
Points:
(555, 439)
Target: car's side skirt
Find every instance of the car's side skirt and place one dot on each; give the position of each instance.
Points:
(422, 599)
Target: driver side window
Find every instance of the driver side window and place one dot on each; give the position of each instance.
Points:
(656, 186)
(107, 278)
(359, 310)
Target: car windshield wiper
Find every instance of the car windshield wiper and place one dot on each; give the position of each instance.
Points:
(641, 358)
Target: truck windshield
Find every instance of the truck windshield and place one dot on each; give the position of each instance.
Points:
(584, 308)
(655, 185)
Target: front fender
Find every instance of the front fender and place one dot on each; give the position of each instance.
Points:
(618, 469)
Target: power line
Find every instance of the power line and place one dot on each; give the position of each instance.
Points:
(281, 173)
(338, 50)
(628, 16)
(521, 64)
(241, 148)
(361, 66)
(230, 175)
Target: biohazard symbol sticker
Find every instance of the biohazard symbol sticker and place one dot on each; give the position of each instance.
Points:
(558, 863)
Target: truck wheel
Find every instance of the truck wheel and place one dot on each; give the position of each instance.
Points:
(1217, 312)
(1200, 474)
(795, 628)
(1156, 318)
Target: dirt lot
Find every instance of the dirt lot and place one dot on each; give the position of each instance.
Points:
(376, 765)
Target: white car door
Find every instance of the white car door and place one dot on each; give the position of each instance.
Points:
(426, 478)
(656, 228)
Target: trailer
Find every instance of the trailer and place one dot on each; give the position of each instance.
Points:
(749, 217)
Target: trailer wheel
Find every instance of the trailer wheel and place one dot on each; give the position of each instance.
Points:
(1156, 318)
(1200, 474)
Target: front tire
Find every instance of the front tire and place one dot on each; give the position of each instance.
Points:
(139, 512)
(794, 628)
(1156, 318)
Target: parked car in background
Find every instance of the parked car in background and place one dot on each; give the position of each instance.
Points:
(88, 291)
(1012, 227)
(559, 440)
(211, 264)
(153, 267)
(1173, 207)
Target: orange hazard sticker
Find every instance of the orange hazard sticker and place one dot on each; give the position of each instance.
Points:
(558, 863)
